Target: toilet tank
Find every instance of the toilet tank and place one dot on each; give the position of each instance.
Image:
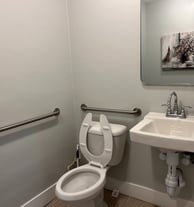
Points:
(95, 141)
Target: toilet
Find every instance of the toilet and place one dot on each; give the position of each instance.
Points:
(102, 144)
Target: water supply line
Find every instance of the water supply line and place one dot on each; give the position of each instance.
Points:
(76, 161)
(78, 156)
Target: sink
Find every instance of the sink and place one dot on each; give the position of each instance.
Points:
(166, 133)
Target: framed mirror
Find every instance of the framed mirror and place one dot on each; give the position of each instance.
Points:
(167, 42)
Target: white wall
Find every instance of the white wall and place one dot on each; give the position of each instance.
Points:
(35, 77)
(105, 38)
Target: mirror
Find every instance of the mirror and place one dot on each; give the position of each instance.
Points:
(167, 42)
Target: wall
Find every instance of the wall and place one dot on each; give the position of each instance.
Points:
(105, 38)
(35, 77)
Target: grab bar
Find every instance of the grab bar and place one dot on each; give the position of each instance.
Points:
(135, 111)
(56, 112)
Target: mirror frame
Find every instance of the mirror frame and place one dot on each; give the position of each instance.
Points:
(141, 62)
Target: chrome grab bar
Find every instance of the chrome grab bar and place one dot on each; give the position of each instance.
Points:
(56, 112)
(135, 111)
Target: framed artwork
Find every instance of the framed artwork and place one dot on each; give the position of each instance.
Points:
(177, 51)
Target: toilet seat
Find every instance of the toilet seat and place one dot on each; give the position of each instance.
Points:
(103, 159)
(81, 183)
(86, 181)
(83, 186)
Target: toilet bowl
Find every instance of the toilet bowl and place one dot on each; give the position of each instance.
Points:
(83, 186)
(81, 183)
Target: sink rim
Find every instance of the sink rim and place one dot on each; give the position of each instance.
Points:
(172, 142)
(148, 121)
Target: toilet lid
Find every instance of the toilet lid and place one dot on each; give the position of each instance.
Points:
(106, 156)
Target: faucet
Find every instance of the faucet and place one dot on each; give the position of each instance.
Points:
(174, 110)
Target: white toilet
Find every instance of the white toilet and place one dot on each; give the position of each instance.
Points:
(102, 144)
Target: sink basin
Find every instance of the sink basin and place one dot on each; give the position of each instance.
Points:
(167, 133)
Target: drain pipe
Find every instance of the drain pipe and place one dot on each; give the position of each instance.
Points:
(174, 180)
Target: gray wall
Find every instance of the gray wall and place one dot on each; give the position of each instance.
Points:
(105, 38)
(35, 77)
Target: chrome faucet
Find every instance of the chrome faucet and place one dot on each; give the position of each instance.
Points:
(175, 110)
(172, 110)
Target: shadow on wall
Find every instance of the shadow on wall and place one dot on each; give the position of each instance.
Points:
(121, 171)
(159, 172)
(21, 132)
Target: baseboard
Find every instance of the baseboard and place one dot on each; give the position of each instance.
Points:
(146, 194)
(42, 198)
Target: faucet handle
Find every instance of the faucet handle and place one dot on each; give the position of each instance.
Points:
(168, 110)
(188, 107)
(167, 105)
(183, 112)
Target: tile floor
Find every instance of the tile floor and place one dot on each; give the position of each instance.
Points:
(121, 201)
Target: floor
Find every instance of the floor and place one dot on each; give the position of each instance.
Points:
(121, 201)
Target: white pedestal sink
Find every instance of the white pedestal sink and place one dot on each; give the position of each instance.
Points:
(163, 132)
